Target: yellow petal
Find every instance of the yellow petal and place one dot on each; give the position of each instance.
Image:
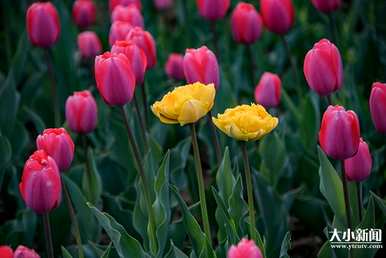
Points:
(191, 112)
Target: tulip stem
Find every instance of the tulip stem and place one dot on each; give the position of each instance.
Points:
(333, 31)
(213, 29)
(215, 138)
(346, 198)
(47, 232)
(201, 184)
(360, 200)
(54, 88)
(146, 187)
(293, 65)
(141, 121)
(253, 62)
(145, 107)
(248, 180)
(74, 220)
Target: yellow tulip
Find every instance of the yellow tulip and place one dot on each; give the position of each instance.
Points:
(185, 104)
(246, 122)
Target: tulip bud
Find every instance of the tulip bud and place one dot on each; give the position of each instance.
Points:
(43, 24)
(144, 40)
(81, 112)
(24, 252)
(244, 249)
(58, 144)
(323, 68)
(358, 167)
(213, 9)
(115, 79)
(129, 14)
(200, 65)
(135, 55)
(114, 3)
(40, 185)
(89, 44)
(175, 66)
(83, 12)
(119, 31)
(278, 15)
(246, 24)
(327, 6)
(339, 133)
(163, 4)
(6, 252)
(378, 106)
(268, 91)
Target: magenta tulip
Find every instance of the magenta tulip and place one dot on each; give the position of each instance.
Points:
(114, 3)
(213, 9)
(246, 22)
(89, 44)
(327, 6)
(119, 31)
(174, 66)
(245, 249)
(6, 251)
(146, 42)
(129, 14)
(24, 252)
(163, 4)
(278, 15)
(84, 13)
(358, 167)
(377, 104)
(268, 91)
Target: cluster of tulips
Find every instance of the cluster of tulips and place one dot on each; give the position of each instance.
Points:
(120, 76)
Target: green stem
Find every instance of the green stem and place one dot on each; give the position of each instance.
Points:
(360, 200)
(346, 198)
(213, 29)
(248, 179)
(146, 187)
(141, 122)
(333, 31)
(74, 220)
(253, 63)
(48, 235)
(215, 139)
(293, 65)
(145, 106)
(54, 88)
(201, 184)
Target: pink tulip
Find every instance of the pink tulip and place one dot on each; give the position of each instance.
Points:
(146, 42)
(175, 66)
(358, 167)
(84, 13)
(377, 104)
(327, 6)
(268, 91)
(24, 252)
(119, 31)
(129, 14)
(114, 3)
(200, 65)
(213, 9)
(278, 15)
(246, 22)
(163, 4)
(89, 44)
(6, 251)
(244, 249)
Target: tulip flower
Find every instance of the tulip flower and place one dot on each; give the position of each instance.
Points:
(358, 167)
(185, 104)
(327, 6)
(84, 13)
(144, 40)
(115, 79)
(278, 15)
(268, 91)
(89, 44)
(129, 14)
(6, 251)
(323, 68)
(25, 252)
(43, 24)
(81, 112)
(114, 3)
(163, 4)
(119, 31)
(40, 185)
(57, 143)
(244, 249)
(213, 9)
(246, 22)
(174, 67)
(200, 65)
(377, 104)
(339, 133)
(135, 55)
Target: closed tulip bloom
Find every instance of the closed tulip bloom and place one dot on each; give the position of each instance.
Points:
(84, 13)
(358, 167)
(115, 3)
(378, 106)
(200, 65)
(246, 24)
(323, 68)
(43, 24)
(244, 249)
(278, 15)
(6, 252)
(24, 252)
(163, 4)
(89, 44)
(175, 66)
(246, 122)
(129, 14)
(115, 79)
(213, 9)
(144, 40)
(57, 143)
(339, 133)
(81, 112)
(119, 31)
(268, 91)
(327, 6)
(135, 55)
(40, 185)
(185, 104)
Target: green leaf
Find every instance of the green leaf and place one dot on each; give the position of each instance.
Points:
(65, 253)
(125, 245)
(309, 124)
(6, 152)
(91, 182)
(106, 253)
(224, 177)
(174, 252)
(285, 246)
(326, 251)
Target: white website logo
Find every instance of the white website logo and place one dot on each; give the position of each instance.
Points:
(359, 238)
